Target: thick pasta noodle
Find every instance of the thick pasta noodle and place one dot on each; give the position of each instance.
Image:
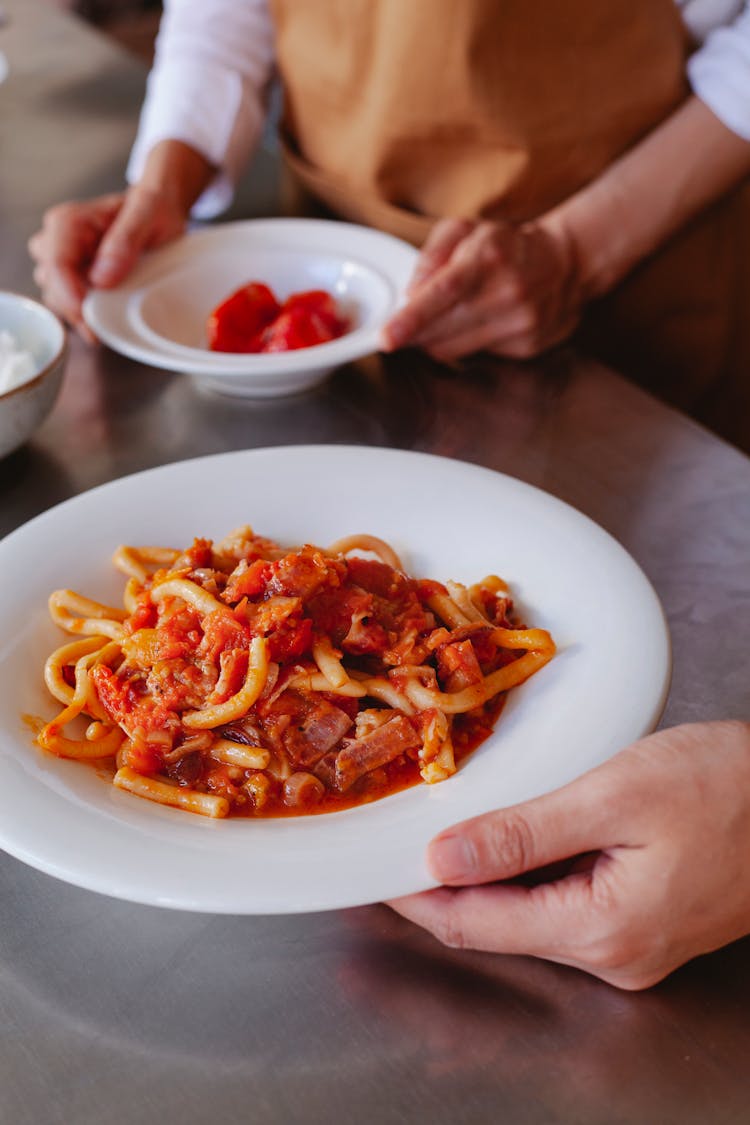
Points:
(245, 678)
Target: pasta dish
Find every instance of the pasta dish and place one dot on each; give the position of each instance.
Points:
(241, 677)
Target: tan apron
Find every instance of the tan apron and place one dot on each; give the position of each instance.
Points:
(398, 112)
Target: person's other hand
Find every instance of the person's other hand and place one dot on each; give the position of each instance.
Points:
(485, 286)
(97, 242)
(659, 842)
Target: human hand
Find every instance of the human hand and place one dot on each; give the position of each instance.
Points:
(658, 840)
(484, 286)
(97, 242)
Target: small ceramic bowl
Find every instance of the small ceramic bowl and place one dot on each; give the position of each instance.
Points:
(36, 330)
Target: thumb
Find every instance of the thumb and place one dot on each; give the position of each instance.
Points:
(122, 244)
(581, 817)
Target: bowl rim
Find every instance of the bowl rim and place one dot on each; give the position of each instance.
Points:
(59, 355)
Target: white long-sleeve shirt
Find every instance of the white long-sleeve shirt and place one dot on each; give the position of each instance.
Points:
(215, 58)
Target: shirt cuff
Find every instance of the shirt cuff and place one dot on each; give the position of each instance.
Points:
(224, 128)
(719, 74)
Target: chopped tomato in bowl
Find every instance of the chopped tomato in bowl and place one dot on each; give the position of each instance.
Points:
(252, 320)
(237, 324)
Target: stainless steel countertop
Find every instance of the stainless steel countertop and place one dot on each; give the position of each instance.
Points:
(112, 1012)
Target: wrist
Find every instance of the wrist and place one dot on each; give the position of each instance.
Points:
(176, 173)
(595, 228)
(649, 193)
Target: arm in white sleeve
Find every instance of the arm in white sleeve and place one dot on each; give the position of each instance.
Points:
(207, 88)
(719, 71)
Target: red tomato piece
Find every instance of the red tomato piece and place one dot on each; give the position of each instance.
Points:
(142, 758)
(252, 320)
(319, 303)
(222, 631)
(291, 641)
(247, 581)
(179, 635)
(237, 324)
(126, 704)
(198, 554)
(143, 617)
(296, 328)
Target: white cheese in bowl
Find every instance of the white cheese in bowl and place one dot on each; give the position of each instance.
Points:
(16, 365)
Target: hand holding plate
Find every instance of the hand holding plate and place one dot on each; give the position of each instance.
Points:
(649, 863)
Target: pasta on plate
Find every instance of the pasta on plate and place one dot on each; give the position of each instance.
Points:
(245, 678)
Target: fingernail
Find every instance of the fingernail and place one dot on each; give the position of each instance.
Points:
(452, 857)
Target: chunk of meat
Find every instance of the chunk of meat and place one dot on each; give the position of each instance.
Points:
(304, 727)
(302, 574)
(458, 666)
(380, 746)
(365, 637)
(322, 728)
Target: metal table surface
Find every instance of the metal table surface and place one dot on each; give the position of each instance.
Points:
(113, 1012)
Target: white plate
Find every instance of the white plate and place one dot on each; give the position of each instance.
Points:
(158, 314)
(447, 519)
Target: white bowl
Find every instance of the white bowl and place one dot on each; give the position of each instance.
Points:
(38, 331)
(159, 314)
